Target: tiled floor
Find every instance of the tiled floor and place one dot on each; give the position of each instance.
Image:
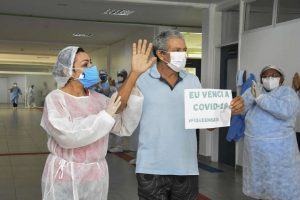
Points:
(20, 174)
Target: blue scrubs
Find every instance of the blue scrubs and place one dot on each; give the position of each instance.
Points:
(14, 95)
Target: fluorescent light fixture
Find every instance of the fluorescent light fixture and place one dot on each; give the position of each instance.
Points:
(190, 33)
(27, 73)
(85, 35)
(118, 12)
(194, 55)
(42, 57)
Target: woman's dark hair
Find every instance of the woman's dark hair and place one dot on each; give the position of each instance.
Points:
(79, 50)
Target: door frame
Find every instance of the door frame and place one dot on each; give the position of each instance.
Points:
(229, 158)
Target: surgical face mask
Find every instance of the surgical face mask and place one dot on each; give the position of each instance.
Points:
(177, 61)
(89, 77)
(103, 77)
(270, 83)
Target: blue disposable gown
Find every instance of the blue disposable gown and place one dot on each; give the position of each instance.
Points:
(271, 167)
(14, 94)
(237, 123)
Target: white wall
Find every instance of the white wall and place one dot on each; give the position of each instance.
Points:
(118, 59)
(4, 95)
(278, 45)
(230, 27)
(100, 58)
(120, 52)
(38, 81)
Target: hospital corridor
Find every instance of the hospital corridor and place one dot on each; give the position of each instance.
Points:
(24, 152)
(149, 100)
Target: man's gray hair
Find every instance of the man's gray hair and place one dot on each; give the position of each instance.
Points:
(160, 41)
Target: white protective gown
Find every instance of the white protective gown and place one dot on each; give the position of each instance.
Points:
(78, 129)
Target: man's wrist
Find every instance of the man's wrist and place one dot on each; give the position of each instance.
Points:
(134, 74)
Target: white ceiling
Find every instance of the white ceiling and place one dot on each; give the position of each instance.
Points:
(43, 27)
(45, 36)
(178, 13)
(161, 12)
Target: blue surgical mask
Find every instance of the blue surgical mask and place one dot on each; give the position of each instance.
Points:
(103, 77)
(89, 77)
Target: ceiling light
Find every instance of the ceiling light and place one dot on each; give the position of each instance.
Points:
(42, 57)
(85, 35)
(119, 12)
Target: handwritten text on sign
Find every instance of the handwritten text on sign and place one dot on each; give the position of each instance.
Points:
(207, 108)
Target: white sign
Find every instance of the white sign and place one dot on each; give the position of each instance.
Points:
(207, 108)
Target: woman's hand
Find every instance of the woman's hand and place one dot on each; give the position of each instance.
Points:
(114, 104)
(256, 89)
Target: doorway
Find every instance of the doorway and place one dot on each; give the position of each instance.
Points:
(228, 69)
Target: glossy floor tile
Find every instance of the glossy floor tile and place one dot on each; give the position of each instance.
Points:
(22, 157)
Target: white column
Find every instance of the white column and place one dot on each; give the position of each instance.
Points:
(210, 72)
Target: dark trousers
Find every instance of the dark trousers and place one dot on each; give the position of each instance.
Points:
(167, 187)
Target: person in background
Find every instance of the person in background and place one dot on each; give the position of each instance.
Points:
(112, 85)
(15, 93)
(103, 87)
(31, 96)
(271, 166)
(121, 77)
(44, 92)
